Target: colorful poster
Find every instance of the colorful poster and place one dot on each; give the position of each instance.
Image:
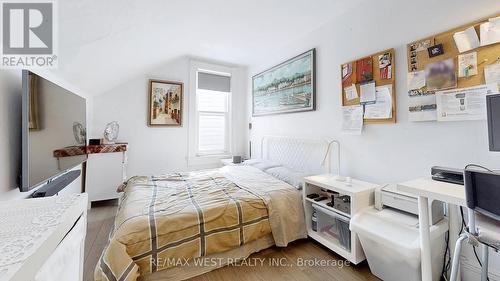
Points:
(347, 78)
(364, 69)
(385, 66)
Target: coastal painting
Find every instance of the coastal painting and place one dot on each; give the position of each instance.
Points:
(287, 87)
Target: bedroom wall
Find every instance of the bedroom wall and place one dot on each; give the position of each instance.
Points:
(155, 150)
(10, 129)
(385, 153)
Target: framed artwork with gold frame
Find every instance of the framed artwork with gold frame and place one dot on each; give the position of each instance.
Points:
(165, 103)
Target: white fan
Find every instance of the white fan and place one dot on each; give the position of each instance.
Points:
(111, 131)
(80, 133)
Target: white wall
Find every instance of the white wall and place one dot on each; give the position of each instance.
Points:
(154, 150)
(10, 129)
(386, 152)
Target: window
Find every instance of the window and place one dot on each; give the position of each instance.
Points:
(213, 93)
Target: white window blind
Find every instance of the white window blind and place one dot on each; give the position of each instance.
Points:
(212, 96)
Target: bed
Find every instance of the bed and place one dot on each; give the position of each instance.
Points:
(180, 225)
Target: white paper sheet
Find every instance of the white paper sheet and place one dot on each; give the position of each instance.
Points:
(367, 94)
(421, 106)
(492, 74)
(464, 104)
(490, 31)
(467, 64)
(382, 108)
(351, 92)
(352, 119)
(415, 80)
(466, 40)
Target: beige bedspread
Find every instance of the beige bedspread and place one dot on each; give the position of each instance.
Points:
(173, 217)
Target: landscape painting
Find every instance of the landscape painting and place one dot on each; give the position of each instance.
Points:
(285, 88)
(165, 103)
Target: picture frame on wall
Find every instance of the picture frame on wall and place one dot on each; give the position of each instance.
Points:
(165, 103)
(287, 87)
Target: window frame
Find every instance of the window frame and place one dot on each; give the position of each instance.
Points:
(227, 130)
(196, 157)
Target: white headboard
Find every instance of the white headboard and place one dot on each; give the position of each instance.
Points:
(311, 156)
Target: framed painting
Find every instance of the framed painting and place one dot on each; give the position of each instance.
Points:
(286, 88)
(165, 103)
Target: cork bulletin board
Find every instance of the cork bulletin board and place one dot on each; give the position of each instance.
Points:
(380, 76)
(453, 61)
(489, 54)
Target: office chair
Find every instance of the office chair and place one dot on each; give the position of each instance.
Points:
(482, 194)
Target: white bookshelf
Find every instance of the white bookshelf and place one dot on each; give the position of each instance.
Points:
(361, 196)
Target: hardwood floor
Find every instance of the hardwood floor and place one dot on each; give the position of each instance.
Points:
(100, 221)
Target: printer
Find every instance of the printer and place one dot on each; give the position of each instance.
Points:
(389, 196)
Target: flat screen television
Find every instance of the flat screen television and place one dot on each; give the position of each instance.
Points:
(53, 118)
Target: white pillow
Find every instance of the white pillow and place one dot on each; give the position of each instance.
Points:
(287, 175)
(261, 164)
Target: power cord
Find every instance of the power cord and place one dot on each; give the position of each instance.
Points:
(477, 166)
(446, 264)
(473, 247)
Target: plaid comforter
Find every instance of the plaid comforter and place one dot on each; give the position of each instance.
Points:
(183, 216)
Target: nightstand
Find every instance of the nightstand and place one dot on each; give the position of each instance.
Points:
(333, 221)
(228, 162)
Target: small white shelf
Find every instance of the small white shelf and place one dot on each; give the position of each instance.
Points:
(361, 196)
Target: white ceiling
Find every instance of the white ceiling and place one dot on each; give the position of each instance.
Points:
(102, 43)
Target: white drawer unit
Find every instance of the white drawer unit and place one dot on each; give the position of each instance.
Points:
(106, 170)
(333, 218)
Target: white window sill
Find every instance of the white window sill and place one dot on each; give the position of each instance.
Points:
(210, 160)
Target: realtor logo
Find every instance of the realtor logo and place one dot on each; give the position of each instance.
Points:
(28, 35)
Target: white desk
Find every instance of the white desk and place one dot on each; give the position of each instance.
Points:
(426, 188)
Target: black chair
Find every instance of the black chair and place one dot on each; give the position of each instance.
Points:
(482, 193)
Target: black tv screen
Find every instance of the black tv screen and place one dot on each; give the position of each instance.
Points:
(493, 108)
(53, 119)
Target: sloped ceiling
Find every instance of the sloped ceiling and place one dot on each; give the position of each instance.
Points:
(102, 43)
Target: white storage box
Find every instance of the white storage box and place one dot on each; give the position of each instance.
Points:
(391, 242)
(332, 225)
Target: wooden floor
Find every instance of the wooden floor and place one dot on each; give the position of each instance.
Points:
(100, 220)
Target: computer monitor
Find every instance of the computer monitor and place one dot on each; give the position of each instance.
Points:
(493, 109)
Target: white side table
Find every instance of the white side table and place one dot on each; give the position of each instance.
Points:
(361, 196)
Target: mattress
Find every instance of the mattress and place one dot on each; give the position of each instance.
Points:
(183, 216)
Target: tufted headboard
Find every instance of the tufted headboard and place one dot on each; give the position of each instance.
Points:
(310, 156)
